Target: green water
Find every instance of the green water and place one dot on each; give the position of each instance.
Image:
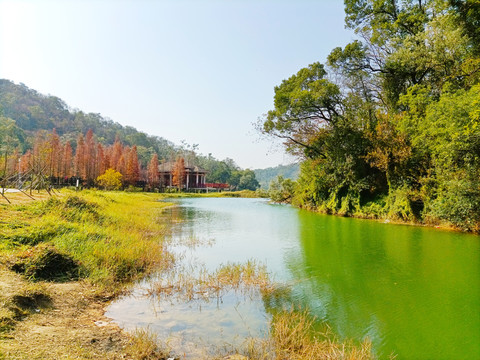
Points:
(412, 291)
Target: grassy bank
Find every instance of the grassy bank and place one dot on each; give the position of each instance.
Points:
(62, 258)
(110, 238)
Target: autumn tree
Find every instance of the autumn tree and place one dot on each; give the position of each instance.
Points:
(90, 157)
(102, 164)
(179, 173)
(55, 159)
(67, 164)
(132, 167)
(116, 152)
(80, 161)
(153, 179)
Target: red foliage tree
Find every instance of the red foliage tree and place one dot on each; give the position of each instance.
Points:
(55, 154)
(80, 164)
(132, 167)
(90, 157)
(153, 178)
(67, 170)
(178, 172)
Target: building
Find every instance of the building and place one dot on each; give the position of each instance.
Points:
(194, 176)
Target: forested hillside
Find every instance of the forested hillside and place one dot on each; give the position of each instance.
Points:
(265, 176)
(33, 111)
(85, 145)
(389, 126)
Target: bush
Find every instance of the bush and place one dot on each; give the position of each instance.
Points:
(459, 204)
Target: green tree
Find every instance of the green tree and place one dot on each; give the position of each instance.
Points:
(248, 181)
(281, 190)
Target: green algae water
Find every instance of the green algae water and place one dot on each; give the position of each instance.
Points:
(413, 291)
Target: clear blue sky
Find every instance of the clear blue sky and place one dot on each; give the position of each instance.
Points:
(199, 71)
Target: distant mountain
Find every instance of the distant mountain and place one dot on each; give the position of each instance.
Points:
(33, 111)
(264, 176)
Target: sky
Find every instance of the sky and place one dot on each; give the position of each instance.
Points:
(200, 71)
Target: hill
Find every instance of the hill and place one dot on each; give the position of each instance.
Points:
(264, 176)
(33, 111)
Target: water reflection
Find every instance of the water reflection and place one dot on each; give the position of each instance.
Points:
(411, 290)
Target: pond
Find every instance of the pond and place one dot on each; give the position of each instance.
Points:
(412, 291)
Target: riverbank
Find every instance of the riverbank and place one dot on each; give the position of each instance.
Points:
(64, 258)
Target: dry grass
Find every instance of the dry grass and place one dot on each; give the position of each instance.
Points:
(144, 345)
(196, 283)
(21, 198)
(293, 335)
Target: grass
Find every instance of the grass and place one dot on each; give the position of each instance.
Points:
(97, 232)
(196, 283)
(294, 335)
(144, 345)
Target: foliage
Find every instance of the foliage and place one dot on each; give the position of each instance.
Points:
(178, 173)
(110, 180)
(247, 180)
(84, 145)
(281, 190)
(389, 126)
(33, 111)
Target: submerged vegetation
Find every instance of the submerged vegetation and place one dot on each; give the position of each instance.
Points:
(196, 283)
(389, 127)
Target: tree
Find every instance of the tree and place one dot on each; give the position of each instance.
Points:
(179, 173)
(90, 157)
(110, 180)
(55, 154)
(80, 161)
(132, 168)
(305, 105)
(248, 181)
(281, 190)
(67, 170)
(153, 179)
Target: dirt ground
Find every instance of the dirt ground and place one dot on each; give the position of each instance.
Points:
(68, 324)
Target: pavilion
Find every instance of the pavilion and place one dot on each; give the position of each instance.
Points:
(194, 176)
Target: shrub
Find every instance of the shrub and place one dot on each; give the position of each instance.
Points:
(110, 180)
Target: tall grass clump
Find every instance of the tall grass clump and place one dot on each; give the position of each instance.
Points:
(294, 335)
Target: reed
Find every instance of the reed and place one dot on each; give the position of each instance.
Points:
(194, 282)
